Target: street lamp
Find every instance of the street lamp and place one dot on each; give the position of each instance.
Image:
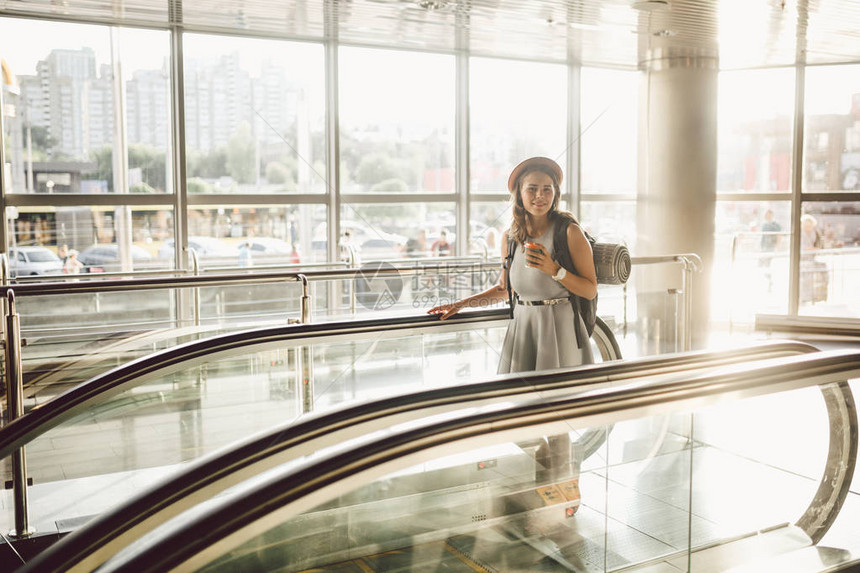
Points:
(50, 185)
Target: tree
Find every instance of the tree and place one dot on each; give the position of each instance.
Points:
(197, 185)
(390, 186)
(241, 164)
(277, 172)
(209, 165)
(151, 162)
(104, 165)
(374, 168)
(143, 187)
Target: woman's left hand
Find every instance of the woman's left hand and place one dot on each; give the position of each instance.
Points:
(541, 260)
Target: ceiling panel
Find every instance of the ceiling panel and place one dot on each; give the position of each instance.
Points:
(621, 33)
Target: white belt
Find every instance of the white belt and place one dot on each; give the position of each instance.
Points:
(549, 301)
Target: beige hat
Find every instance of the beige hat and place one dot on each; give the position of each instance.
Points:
(531, 163)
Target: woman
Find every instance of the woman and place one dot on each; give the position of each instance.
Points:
(543, 332)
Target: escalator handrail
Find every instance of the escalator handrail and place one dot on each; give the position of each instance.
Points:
(309, 483)
(256, 279)
(46, 416)
(60, 408)
(211, 474)
(133, 341)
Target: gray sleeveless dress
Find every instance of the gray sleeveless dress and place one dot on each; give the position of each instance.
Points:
(539, 337)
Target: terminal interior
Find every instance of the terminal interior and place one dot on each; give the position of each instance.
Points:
(225, 222)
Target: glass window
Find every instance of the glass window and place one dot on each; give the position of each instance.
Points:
(104, 238)
(396, 121)
(751, 259)
(390, 231)
(147, 110)
(608, 131)
(832, 129)
(60, 134)
(237, 235)
(254, 115)
(755, 117)
(517, 110)
(610, 221)
(830, 258)
(488, 222)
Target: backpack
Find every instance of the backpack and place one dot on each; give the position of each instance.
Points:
(582, 307)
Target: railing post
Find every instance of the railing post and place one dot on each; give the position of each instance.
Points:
(680, 325)
(731, 274)
(353, 263)
(687, 294)
(195, 294)
(307, 377)
(306, 299)
(15, 398)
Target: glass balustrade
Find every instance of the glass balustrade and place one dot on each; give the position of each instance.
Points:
(72, 337)
(704, 488)
(107, 451)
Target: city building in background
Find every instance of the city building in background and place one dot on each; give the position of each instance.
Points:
(276, 132)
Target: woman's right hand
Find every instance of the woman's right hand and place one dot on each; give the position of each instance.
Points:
(445, 310)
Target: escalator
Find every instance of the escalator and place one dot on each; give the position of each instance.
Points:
(460, 487)
(87, 404)
(100, 441)
(56, 368)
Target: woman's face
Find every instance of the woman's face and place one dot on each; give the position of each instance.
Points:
(537, 193)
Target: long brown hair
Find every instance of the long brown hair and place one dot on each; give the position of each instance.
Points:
(518, 230)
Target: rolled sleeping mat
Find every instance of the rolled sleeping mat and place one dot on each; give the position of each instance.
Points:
(612, 263)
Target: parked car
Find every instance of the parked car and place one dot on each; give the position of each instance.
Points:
(266, 250)
(104, 258)
(384, 246)
(204, 246)
(266, 246)
(27, 261)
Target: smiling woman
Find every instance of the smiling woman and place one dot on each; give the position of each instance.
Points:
(549, 264)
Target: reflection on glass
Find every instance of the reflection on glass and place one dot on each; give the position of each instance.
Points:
(517, 110)
(102, 239)
(399, 230)
(657, 489)
(254, 115)
(832, 129)
(610, 221)
(396, 116)
(62, 102)
(747, 478)
(487, 226)
(511, 506)
(608, 131)
(244, 236)
(102, 456)
(751, 259)
(755, 118)
(646, 484)
(148, 109)
(830, 259)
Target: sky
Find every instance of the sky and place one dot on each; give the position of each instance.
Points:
(22, 53)
(411, 80)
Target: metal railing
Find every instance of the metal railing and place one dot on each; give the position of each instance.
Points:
(746, 246)
(819, 327)
(351, 463)
(690, 263)
(345, 421)
(12, 336)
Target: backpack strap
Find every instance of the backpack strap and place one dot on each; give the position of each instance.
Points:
(512, 244)
(561, 255)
